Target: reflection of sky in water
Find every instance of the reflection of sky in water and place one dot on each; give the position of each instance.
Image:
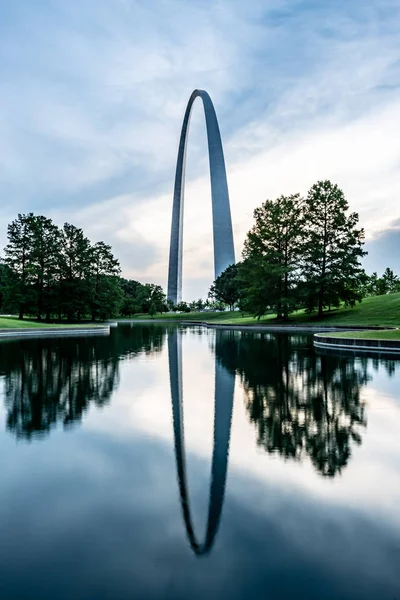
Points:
(94, 512)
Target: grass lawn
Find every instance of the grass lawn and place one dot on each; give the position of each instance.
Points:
(367, 335)
(14, 322)
(377, 310)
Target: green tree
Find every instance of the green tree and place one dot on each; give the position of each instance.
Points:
(390, 282)
(133, 295)
(332, 249)
(387, 284)
(193, 306)
(109, 297)
(141, 298)
(200, 305)
(18, 258)
(272, 250)
(158, 300)
(371, 285)
(226, 288)
(183, 307)
(44, 263)
(102, 266)
(74, 272)
(170, 305)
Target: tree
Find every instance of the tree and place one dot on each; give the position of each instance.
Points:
(332, 249)
(44, 263)
(200, 305)
(74, 272)
(183, 307)
(158, 300)
(132, 297)
(109, 297)
(3, 282)
(272, 250)
(18, 258)
(142, 298)
(193, 306)
(48, 271)
(371, 285)
(390, 282)
(226, 287)
(102, 265)
(170, 305)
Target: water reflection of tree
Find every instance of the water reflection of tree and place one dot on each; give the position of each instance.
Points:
(49, 381)
(301, 403)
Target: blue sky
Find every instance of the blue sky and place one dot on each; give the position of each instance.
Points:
(93, 94)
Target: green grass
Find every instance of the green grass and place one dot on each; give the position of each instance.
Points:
(367, 335)
(374, 311)
(15, 323)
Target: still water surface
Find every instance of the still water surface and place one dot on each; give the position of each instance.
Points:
(168, 462)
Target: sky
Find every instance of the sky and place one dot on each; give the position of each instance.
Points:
(93, 95)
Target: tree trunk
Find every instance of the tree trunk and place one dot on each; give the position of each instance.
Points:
(40, 302)
(320, 303)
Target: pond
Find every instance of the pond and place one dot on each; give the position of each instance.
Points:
(183, 462)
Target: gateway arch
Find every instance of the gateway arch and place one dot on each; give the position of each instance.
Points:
(224, 254)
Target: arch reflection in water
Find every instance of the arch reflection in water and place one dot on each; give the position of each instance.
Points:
(223, 404)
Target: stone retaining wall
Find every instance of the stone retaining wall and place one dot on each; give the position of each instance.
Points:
(23, 332)
(356, 343)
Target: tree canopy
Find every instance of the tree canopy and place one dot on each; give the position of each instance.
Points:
(55, 273)
(300, 253)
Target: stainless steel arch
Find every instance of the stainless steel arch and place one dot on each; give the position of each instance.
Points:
(224, 254)
(223, 404)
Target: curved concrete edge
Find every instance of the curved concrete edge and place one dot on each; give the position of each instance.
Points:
(360, 344)
(145, 321)
(281, 328)
(54, 332)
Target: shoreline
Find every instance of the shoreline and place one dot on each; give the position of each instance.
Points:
(282, 327)
(320, 341)
(262, 327)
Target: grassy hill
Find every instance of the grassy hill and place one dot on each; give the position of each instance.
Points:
(382, 334)
(376, 310)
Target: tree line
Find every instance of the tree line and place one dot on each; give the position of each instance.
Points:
(301, 253)
(58, 273)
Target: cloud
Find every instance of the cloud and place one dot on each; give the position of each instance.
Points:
(383, 250)
(93, 97)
